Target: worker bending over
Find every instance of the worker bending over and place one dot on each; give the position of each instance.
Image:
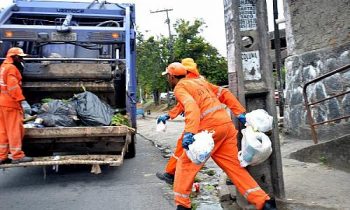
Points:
(221, 93)
(204, 111)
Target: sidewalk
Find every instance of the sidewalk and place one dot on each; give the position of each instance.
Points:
(307, 185)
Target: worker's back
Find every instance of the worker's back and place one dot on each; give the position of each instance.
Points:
(212, 112)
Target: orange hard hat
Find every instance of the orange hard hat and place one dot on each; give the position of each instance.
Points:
(176, 69)
(190, 65)
(15, 51)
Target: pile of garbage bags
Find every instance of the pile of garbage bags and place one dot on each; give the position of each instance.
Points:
(255, 145)
(83, 109)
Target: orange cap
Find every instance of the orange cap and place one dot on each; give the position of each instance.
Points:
(15, 51)
(176, 69)
(190, 65)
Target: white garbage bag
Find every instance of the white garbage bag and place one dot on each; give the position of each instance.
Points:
(161, 127)
(255, 147)
(199, 151)
(260, 120)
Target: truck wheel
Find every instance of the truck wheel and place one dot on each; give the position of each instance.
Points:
(131, 148)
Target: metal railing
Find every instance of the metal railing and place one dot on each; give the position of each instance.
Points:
(308, 105)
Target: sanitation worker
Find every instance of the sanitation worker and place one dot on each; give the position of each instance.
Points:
(203, 111)
(168, 175)
(11, 113)
(192, 73)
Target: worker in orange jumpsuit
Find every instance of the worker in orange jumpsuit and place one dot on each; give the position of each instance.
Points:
(204, 111)
(11, 113)
(168, 175)
(192, 72)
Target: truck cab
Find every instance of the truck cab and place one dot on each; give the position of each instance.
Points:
(75, 45)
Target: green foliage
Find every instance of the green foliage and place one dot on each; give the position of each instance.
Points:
(190, 44)
(210, 172)
(323, 160)
(151, 61)
(153, 55)
(119, 119)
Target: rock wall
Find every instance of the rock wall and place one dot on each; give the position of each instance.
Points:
(318, 40)
(316, 24)
(305, 67)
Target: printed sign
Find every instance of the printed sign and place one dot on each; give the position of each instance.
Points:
(251, 65)
(247, 15)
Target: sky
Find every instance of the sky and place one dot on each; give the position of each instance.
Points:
(153, 24)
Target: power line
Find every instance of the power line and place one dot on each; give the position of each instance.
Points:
(171, 58)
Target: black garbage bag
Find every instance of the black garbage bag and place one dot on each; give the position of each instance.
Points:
(58, 107)
(57, 120)
(91, 110)
(58, 113)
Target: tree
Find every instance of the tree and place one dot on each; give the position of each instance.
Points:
(153, 56)
(189, 43)
(150, 63)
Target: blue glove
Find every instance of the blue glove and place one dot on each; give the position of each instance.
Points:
(163, 118)
(242, 118)
(187, 140)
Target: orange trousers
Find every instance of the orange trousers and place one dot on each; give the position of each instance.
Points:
(171, 165)
(225, 156)
(11, 133)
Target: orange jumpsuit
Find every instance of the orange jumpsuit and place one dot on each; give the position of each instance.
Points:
(224, 96)
(11, 114)
(204, 111)
(170, 168)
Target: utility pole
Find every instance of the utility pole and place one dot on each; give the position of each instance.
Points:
(171, 57)
(250, 76)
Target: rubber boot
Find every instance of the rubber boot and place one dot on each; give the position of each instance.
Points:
(182, 208)
(23, 160)
(270, 205)
(6, 161)
(168, 178)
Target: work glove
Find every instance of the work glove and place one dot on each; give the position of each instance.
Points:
(163, 118)
(26, 107)
(187, 140)
(242, 118)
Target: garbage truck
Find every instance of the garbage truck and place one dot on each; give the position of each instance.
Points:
(75, 45)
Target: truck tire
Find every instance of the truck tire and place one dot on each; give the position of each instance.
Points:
(131, 149)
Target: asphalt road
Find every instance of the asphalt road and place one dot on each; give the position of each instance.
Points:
(130, 186)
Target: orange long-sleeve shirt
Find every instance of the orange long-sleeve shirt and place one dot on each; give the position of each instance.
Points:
(202, 104)
(11, 85)
(224, 96)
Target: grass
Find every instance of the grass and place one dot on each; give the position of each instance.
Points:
(323, 160)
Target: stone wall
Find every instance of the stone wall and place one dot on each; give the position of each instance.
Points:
(318, 40)
(316, 24)
(305, 67)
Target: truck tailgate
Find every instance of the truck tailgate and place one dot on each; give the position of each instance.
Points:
(66, 132)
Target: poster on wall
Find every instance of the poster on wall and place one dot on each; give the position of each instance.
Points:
(247, 15)
(251, 65)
